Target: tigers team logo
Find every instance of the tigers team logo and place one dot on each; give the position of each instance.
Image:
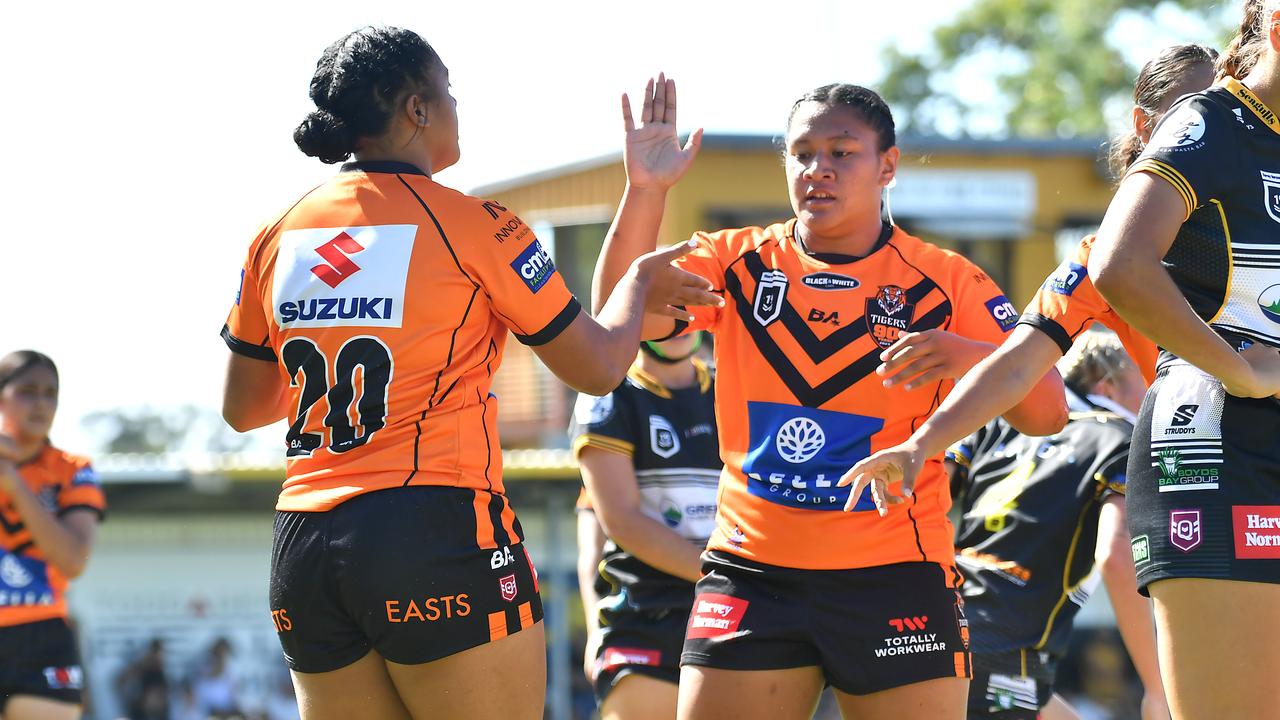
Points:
(889, 314)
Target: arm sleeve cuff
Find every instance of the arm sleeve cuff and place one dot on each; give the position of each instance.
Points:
(1048, 327)
(240, 347)
(555, 327)
(102, 514)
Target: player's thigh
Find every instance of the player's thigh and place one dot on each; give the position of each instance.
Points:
(362, 689)
(1058, 709)
(504, 679)
(640, 697)
(938, 699)
(708, 693)
(1219, 644)
(31, 707)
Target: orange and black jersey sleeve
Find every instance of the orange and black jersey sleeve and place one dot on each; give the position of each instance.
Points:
(1067, 304)
(246, 331)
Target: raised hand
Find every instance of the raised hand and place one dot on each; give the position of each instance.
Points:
(668, 289)
(652, 155)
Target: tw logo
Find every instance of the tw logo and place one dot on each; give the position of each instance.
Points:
(1184, 415)
(339, 267)
(818, 316)
(913, 623)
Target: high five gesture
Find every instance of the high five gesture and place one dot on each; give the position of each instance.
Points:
(653, 155)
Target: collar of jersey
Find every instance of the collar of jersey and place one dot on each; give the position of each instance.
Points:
(383, 166)
(655, 386)
(1253, 102)
(886, 232)
(38, 457)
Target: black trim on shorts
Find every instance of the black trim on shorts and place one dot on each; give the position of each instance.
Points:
(1049, 327)
(248, 349)
(553, 329)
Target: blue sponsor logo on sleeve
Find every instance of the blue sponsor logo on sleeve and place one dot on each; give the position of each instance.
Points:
(534, 266)
(240, 289)
(1066, 278)
(797, 454)
(1005, 314)
(85, 476)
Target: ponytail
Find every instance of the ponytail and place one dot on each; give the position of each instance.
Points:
(1243, 52)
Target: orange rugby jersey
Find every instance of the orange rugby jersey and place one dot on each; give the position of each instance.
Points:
(386, 298)
(1067, 304)
(798, 401)
(30, 588)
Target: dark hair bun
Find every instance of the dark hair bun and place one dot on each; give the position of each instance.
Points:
(323, 135)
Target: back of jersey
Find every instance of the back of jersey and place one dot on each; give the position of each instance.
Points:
(386, 298)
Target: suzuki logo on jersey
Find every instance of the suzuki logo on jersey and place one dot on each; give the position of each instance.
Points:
(1003, 311)
(796, 454)
(1183, 417)
(894, 317)
(534, 266)
(337, 266)
(1184, 529)
(663, 437)
(800, 439)
(317, 284)
(1066, 278)
(1271, 194)
(771, 292)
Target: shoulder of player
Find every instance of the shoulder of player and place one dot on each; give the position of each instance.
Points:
(1217, 106)
(940, 264)
(736, 241)
(65, 465)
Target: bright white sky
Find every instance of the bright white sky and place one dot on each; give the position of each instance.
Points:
(146, 144)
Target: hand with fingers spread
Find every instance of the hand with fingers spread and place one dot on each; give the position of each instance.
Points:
(880, 470)
(670, 289)
(653, 156)
(920, 359)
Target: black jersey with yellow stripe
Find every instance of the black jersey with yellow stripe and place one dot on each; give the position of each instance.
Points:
(670, 436)
(1028, 523)
(1220, 149)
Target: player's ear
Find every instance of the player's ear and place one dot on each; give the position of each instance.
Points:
(889, 165)
(417, 111)
(1143, 124)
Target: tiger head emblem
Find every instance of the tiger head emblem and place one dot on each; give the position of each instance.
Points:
(891, 298)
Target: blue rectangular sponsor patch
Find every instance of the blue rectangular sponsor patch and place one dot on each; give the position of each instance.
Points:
(240, 289)
(534, 266)
(797, 454)
(1003, 311)
(1066, 278)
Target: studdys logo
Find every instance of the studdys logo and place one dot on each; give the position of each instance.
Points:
(797, 454)
(1269, 303)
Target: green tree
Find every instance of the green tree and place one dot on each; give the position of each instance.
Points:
(1039, 68)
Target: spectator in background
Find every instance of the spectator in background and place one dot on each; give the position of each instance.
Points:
(215, 687)
(143, 685)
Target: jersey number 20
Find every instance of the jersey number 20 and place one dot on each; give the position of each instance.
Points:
(309, 368)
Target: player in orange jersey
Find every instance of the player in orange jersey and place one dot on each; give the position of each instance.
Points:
(796, 593)
(1065, 306)
(373, 314)
(50, 507)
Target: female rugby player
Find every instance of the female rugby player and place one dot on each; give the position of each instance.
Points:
(650, 460)
(796, 593)
(373, 313)
(1189, 255)
(1065, 306)
(50, 507)
(1037, 516)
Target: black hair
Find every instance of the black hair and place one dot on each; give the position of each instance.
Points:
(358, 85)
(1158, 77)
(869, 106)
(13, 365)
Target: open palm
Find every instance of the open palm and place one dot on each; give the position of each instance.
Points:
(653, 156)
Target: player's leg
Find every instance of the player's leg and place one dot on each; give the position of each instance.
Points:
(503, 679)
(31, 707)
(640, 697)
(940, 699)
(1219, 647)
(1058, 709)
(362, 689)
(708, 693)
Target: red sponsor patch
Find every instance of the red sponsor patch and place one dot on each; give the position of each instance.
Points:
(528, 559)
(715, 615)
(616, 657)
(508, 587)
(1257, 531)
(340, 267)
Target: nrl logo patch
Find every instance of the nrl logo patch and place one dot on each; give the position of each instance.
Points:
(770, 294)
(1271, 194)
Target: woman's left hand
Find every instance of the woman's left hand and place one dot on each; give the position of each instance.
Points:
(920, 359)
